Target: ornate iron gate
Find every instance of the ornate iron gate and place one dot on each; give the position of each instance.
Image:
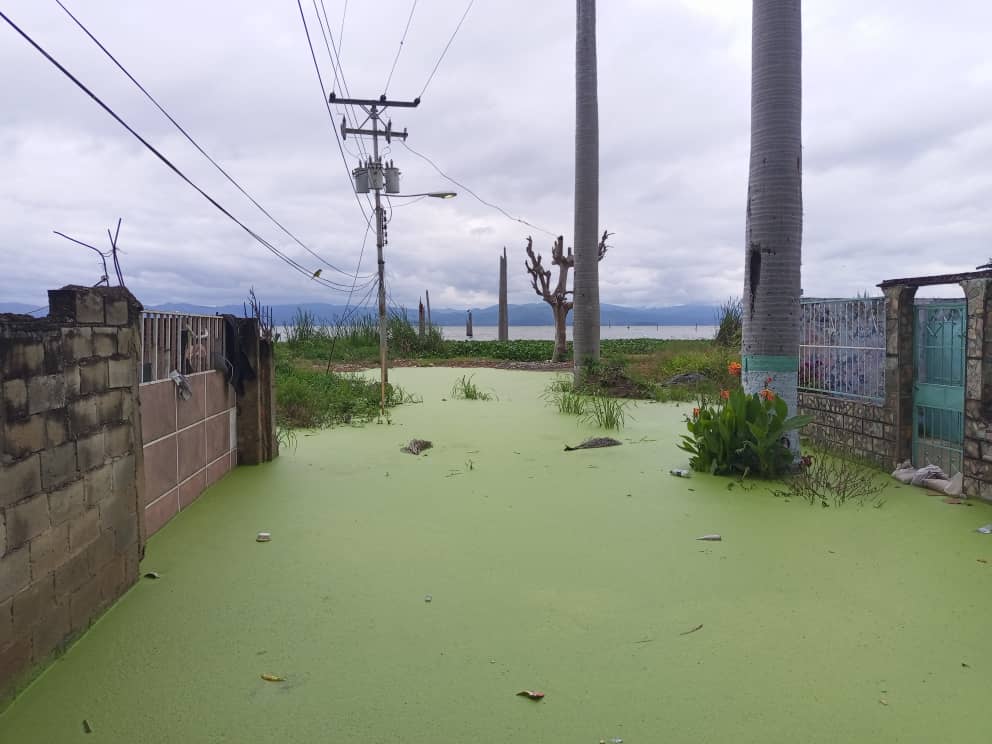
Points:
(938, 383)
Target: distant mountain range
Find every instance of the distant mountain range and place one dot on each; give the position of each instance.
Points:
(532, 314)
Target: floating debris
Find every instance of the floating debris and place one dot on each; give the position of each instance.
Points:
(680, 472)
(273, 678)
(711, 538)
(87, 729)
(416, 446)
(428, 598)
(986, 530)
(153, 575)
(693, 630)
(263, 537)
(532, 694)
(594, 443)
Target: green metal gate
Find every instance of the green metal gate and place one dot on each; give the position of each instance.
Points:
(938, 384)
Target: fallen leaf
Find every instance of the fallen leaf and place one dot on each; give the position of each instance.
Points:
(532, 694)
(693, 630)
(273, 678)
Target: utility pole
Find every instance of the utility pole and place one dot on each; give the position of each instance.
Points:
(504, 320)
(372, 174)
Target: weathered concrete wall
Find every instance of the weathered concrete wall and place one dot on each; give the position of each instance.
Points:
(189, 444)
(977, 453)
(70, 472)
(257, 442)
(864, 431)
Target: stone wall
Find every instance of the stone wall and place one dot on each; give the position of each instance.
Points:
(70, 472)
(977, 448)
(857, 429)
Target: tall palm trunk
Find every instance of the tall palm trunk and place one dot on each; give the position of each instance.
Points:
(586, 319)
(773, 252)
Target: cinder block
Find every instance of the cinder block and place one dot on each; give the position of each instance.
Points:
(20, 480)
(116, 312)
(92, 376)
(71, 375)
(15, 572)
(14, 659)
(56, 428)
(118, 440)
(102, 550)
(73, 574)
(110, 406)
(58, 465)
(54, 358)
(123, 373)
(84, 416)
(126, 344)
(3, 536)
(115, 510)
(104, 342)
(98, 484)
(26, 520)
(84, 530)
(83, 604)
(125, 475)
(31, 606)
(25, 437)
(77, 343)
(111, 578)
(67, 503)
(49, 551)
(91, 451)
(6, 622)
(125, 533)
(24, 358)
(89, 307)
(15, 399)
(46, 393)
(51, 632)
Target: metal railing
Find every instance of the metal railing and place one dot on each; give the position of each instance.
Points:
(181, 342)
(842, 348)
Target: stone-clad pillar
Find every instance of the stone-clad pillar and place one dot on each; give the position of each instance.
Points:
(977, 456)
(899, 365)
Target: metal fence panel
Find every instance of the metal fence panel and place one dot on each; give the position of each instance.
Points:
(842, 350)
(182, 342)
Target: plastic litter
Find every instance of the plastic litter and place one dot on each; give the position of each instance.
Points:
(87, 729)
(612, 740)
(986, 529)
(428, 598)
(711, 538)
(153, 575)
(273, 678)
(680, 472)
(263, 537)
(532, 694)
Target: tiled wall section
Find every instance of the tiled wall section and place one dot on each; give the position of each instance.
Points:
(188, 444)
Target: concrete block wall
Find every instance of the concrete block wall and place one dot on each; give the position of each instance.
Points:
(70, 472)
(188, 444)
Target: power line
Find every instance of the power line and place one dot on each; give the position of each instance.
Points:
(446, 46)
(195, 144)
(275, 251)
(344, 15)
(479, 198)
(399, 50)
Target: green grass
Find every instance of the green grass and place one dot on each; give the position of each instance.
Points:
(465, 389)
(605, 412)
(561, 394)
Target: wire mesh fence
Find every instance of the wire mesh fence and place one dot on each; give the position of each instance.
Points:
(182, 342)
(842, 349)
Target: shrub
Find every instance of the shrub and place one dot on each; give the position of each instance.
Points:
(742, 434)
(730, 323)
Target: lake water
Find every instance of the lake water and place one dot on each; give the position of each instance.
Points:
(547, 333)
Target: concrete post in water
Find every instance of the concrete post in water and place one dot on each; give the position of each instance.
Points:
(468, 325)
(421, 319)
(504, 322)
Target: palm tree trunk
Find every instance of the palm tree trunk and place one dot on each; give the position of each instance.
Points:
(585, 328)
(561, 344)
(773, 252)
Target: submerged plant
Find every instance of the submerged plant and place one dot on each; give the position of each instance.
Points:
(609, 413)
(466, 389)
(833, 481)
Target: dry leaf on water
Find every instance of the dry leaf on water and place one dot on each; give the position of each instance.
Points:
(273, 678)
(532, 694)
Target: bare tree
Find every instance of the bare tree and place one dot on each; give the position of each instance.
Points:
(558, 296)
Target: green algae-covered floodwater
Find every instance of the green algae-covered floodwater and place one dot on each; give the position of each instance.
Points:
(576, 574)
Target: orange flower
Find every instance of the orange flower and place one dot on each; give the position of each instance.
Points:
(768, 381)
(695, 413)
(767, 394)
(734, 368)
(725, 394)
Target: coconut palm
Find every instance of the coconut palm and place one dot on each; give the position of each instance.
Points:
(586, 235)
(773, 250)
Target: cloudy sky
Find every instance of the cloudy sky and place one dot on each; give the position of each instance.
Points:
(897, 136)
